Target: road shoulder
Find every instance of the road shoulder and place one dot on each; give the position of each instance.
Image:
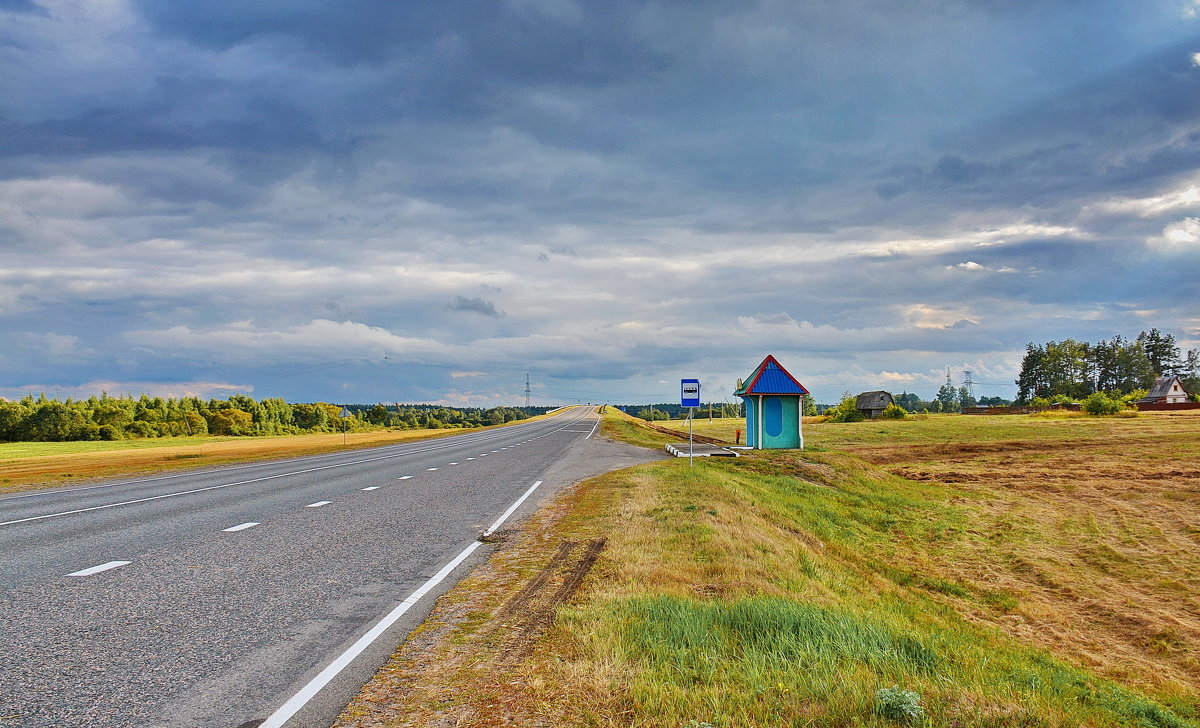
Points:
(462, 657)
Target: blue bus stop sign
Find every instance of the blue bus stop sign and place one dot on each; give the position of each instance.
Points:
(690, 392)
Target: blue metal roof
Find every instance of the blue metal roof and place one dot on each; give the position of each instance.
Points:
(771, 378)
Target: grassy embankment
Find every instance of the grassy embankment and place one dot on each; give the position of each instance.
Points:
(31, 465)
(1024, 572)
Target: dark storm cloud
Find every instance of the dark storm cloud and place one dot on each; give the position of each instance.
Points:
(474, 305)
(1130, 128)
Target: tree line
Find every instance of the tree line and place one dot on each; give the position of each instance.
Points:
(116, 418)
(1119, 366)
(948, 399)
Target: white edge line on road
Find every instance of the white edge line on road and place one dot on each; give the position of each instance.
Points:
(492, 528)
(240, 527)
(593, 429)
(98, 569)
(318, 504)
(300, 699)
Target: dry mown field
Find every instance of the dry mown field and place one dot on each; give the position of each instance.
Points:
(1092, 543)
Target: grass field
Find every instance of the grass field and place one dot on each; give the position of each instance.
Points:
(1009, 571)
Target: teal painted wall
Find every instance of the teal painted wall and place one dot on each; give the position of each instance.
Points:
(781, 421)
(751, 427)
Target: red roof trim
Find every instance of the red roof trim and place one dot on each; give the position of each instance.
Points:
(763, 367)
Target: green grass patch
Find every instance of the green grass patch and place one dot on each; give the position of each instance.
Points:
(38, 449)
(772, 661)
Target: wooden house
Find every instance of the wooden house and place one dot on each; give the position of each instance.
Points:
(872, 404)
(1166, 390)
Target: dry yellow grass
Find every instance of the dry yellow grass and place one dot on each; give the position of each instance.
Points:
(1096, 542)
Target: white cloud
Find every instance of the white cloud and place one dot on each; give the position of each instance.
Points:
(62, 347)
(1182, 196)
(1183, 235)
(926, 316)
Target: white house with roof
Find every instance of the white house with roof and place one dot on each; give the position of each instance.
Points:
(1166, 390)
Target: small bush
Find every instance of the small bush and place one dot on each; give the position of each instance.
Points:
(900, 705)
(846, 411)
(1102, 404)
(893, 412)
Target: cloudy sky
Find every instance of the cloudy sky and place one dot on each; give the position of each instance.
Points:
(371, 200)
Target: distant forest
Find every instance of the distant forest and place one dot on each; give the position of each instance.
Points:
(1074, 369)
(116, 418)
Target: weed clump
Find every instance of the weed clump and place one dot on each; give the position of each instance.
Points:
(900, 705)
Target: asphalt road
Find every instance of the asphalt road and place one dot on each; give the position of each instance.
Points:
(215, 598)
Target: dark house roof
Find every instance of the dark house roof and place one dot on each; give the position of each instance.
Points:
(876, 400)
(1162, 386)
(770, 378)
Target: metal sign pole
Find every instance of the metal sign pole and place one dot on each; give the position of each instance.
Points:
(345, 414)
(691, 416)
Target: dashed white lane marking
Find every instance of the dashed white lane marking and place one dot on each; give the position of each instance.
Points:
(430, 470)
(300, 699)
(483, 454)
(206, 489)
(454, 463)
(470, 458)
(371, 487)
(494, 451)
(240, 527)
(404, 477)
(318, 504)
(98, 569)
